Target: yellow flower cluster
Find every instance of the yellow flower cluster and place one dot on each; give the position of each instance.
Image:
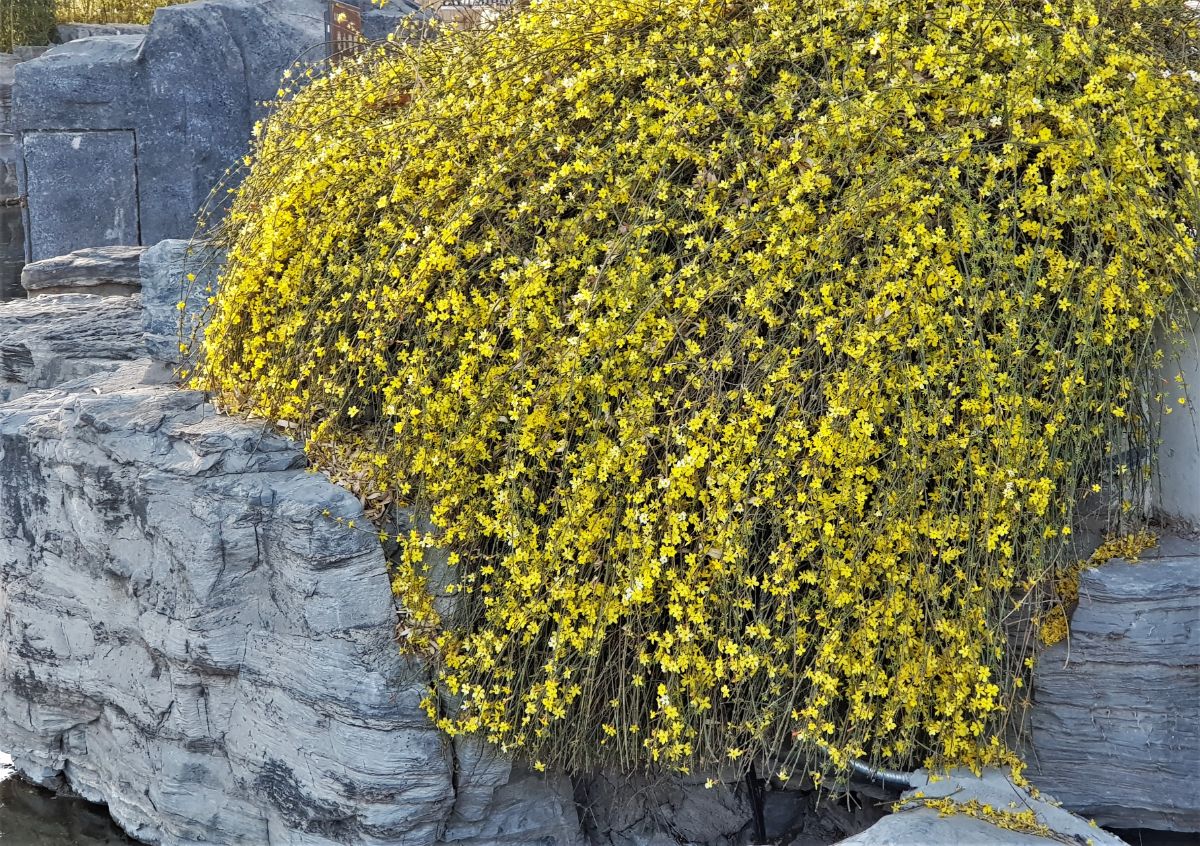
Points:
(1008, 819)
(747, 357)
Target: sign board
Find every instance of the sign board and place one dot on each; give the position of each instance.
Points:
(343, 23)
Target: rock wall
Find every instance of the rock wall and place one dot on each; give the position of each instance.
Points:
(1116, 719)
(125, 135)
(184, 637)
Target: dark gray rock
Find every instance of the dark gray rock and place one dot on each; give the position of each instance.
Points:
(12, 229)
(93, 174)
(81, 86)
(1116, 715)
(165, 269)
(188, 92)
(95, 270)
(635, 811)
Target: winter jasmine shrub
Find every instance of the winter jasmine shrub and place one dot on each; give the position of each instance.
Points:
(749, 358)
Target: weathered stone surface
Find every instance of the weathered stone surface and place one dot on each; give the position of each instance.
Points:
(188, 91)
(91, 174)
(1116, 716)
(633, 811)
(1177, 466)
(189, 641)
(75, 31)
(164, 270)
(184, 636)
(53, 339)
(917, 824)
(12, 228)
(95, 270)
(80, 86)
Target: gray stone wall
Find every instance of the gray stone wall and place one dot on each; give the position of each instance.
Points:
(126, 135)
(1116, 715)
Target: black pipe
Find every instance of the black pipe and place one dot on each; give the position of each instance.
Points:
(754, 786)
(891, 779)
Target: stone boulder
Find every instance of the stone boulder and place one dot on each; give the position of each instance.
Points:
(96, 270)
(126, 135)
(165, 269)
(1116, 715)
(916, 823)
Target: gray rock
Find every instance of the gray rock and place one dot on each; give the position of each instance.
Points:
(76, 31)
(187, 639)
(916, 824)
(188, 92)
(165, 269)
(1116, 714)
(522, 808)
(1177, 462)
(53, 339)
(81, 86)
(12, 229)
(635, 811)
(95, 270)
(91, 173)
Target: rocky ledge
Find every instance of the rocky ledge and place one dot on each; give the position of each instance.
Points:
(185, 638)
(95, 270)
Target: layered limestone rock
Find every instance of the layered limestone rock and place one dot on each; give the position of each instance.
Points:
(49, 340)
(186, 638)
(1116, 715)
(95, 270)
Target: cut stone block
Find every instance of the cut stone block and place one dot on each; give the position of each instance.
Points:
(92, 174)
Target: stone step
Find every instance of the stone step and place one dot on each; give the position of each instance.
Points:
(94, 270)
